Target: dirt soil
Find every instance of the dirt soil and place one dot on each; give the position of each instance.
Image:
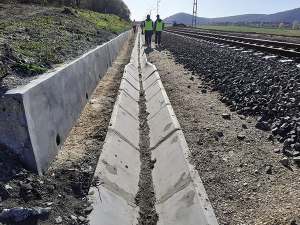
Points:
(37, 39)
(243, 176)
(66, 183)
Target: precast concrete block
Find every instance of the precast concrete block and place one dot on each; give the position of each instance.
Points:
(129, 68)
(110, 208)
(127, 76)
(156, 103)
(130, 90)
(118, 168)
(49, 106)
(150, 80)
(125, 125)
(183, 208)
(175, 180)
(161, 125)
(144, 62)
(133, 68)
(128, 104)
(153, 89)
(148, 70)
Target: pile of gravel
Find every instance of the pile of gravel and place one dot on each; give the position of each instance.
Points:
(249, 85)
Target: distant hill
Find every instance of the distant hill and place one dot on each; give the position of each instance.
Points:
(286, 16)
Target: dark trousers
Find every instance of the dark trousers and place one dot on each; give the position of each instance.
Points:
(157, 37)
(148, 36)
(134, 28)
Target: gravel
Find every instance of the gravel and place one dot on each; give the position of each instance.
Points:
(250, 85)
(226, 163)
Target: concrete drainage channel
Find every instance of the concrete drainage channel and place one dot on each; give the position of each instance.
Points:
(179, 195)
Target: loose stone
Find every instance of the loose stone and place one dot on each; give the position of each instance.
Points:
(284, 161)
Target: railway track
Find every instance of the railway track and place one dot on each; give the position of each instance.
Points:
(290, 50)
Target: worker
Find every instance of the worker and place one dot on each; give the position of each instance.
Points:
(158, 27)
(134, 25)
(142, 28)
(148, 23)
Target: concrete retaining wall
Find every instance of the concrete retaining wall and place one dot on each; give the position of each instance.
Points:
(36, 119)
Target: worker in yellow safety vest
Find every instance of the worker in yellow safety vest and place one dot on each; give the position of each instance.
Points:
(134, 25)
(148, 24)
(158, 28)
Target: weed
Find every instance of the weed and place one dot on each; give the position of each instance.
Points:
(31, 67)
(32, 45)
(76, 42)
(24, 52)
(3, 25)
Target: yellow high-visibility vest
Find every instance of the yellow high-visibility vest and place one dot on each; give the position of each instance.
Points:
(148, 25)
(159, 26)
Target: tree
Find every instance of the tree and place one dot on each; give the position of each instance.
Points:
(295, 25)
(281, 25)
(261, 24)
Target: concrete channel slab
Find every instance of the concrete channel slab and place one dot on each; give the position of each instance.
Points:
(150, 80)
(125, 125)
(162, 125)
(127, 76)
(180, 194)
(153, 89)
(110, 208)
(130, 90)
(183, 208)
(148, 70)
(118, 168)
(132, 71)
(156, 103)
(128, 104)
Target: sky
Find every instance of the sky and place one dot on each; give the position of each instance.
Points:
(208, 8)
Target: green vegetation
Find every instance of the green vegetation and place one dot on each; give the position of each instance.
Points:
(253, 30)
(32, 67)
(110, 22)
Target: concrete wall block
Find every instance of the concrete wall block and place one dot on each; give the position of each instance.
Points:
(178, 187)
(156, 103)
(127, 76)
(110, 208)
(128, 104)
(162, 125)
(51, 104)
(153, 89)
(130, 90)
(125, 125)
(150, 80)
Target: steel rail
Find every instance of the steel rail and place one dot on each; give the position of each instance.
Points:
(274, 47)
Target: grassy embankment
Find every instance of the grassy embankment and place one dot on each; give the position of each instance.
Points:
(51, 33)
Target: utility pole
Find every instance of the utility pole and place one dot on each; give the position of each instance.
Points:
(194, 15)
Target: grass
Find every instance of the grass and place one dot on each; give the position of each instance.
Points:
(252, 30)
(112, 23)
